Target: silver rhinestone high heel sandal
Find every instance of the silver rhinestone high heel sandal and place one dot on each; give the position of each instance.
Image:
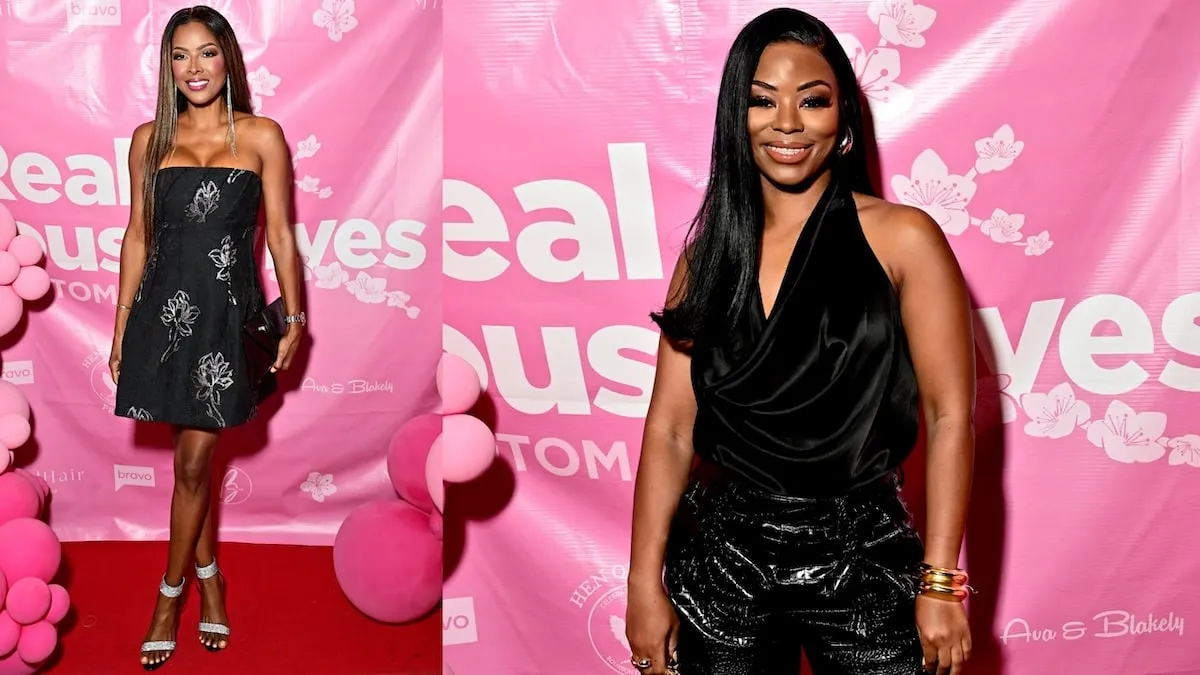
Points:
(207, 572)
(162, 645)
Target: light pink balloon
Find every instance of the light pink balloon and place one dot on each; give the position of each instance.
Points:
(18, 499)
(407, 455)
(31, 283)
(37, 642)
(11, 308)
(10, 632)
(470, 448)
(9, 268)
(28, 601)
(434, 481)
(60, 604)
(387, 562)
(8, 227)
(29, 548)
(458, 384)
(25, 249)
(14, 431)
(12, 400)
(6, 459)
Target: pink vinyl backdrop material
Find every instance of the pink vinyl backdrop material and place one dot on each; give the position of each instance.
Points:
(357, 90)
(1055, 141)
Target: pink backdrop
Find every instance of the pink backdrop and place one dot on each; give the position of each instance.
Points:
(357, 89)
(1056, 143)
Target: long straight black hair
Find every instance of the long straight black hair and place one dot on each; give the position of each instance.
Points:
(722, 249)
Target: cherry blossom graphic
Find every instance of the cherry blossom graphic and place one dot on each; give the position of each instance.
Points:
(1127, 436)
(319, 485)
(262, 83)
(1055, 414)
(332, 276)
(400, 300)
(336, 17)
(1003, 228)
(1185, 451)
(1038, 244)
(933, 189)
(368, 289)
(305, 149)
(901, 22)
(997, 152)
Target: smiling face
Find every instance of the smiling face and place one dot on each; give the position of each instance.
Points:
(793, 115)
(197, 63)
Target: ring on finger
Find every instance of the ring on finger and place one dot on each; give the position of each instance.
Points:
(640, 664)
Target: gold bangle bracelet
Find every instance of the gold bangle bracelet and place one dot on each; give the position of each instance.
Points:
(124, 307)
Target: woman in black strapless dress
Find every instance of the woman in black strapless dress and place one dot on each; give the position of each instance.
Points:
(189, 282)
(802, 322)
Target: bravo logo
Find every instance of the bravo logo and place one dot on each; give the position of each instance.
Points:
(18, 372)
(602, 597)
(93, 13)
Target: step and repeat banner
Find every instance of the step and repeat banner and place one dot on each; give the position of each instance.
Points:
(356, 87)
(1055, 142)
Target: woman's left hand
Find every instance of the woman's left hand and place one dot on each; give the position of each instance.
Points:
(287, 350)
(945, 635)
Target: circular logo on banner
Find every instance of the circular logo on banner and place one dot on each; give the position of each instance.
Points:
(101, 379)
(606, 629)
(236, 487)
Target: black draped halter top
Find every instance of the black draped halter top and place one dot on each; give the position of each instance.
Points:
(820, 397)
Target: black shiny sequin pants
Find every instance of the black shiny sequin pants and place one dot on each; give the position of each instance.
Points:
(757, 577)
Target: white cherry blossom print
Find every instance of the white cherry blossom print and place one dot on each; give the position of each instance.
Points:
(1003, 228)
(336, 17)
(901, 22)
(212, 375)
(319, 485)
(400, 300)
(993, 402)
(325, 192)
(309, 184)
(368, 289)
(306, 148)
(876, 71)
(936, 191)
(1054, 414)
(178, 315)
(204, 202)
(997, 152)
(225, 257)
(1038, 243)
(1185, 451)
(332, 276)
(1127, 436)
(262, 83)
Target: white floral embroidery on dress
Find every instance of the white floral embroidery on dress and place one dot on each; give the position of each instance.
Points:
(140, 414)
(319, 485)
(225, 257)
(233, 175)
(204, 202)
(212, 375)
(177, 315)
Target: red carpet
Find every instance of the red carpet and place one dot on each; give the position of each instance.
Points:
(287, 613)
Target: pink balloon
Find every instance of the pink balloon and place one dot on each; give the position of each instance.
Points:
(387, 561)
(470, 448)
(11, 308)
(37, 481)
(3, 592)
(14, 431)
(29, 548)
(18, 499)
(37, 642)
(31, 283)
(6, 459)
(435, 524)
(10, 632)
(458, 384)
(8, 227)
(25, 249)
(406, 459)
(434, 482)
(60, 604)
(28, 601)
(9, 268)
(13, 665)
(12, 400)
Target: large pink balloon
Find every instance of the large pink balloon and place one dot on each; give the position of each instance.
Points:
(29, 548)
(14, 431)
(13, 665)
(18, 499)
(433, 475)
(32, 283)
(8, 227)
(11, 308)
(12, 400)
(387, 561)
(407, 456)
(469, 448)
(458, 384)
(25, 249)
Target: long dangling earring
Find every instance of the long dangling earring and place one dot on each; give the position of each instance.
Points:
(847, 142)
(229, 113)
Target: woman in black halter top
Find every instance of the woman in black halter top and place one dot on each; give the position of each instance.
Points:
(802, 322)
(189, 283)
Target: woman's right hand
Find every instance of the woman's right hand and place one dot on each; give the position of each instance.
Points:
(114, 360)
(652, 627)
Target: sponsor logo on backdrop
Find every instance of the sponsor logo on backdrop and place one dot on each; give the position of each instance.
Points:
(18, 372)
(1115, 623)
(347, 387)
(561, 458)
(93, 13)
(236, 487)
(601, 598)
(100, 377)
(458, 621)
(125, 475)
(58, 477)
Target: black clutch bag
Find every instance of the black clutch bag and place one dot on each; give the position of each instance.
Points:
(261, 336)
